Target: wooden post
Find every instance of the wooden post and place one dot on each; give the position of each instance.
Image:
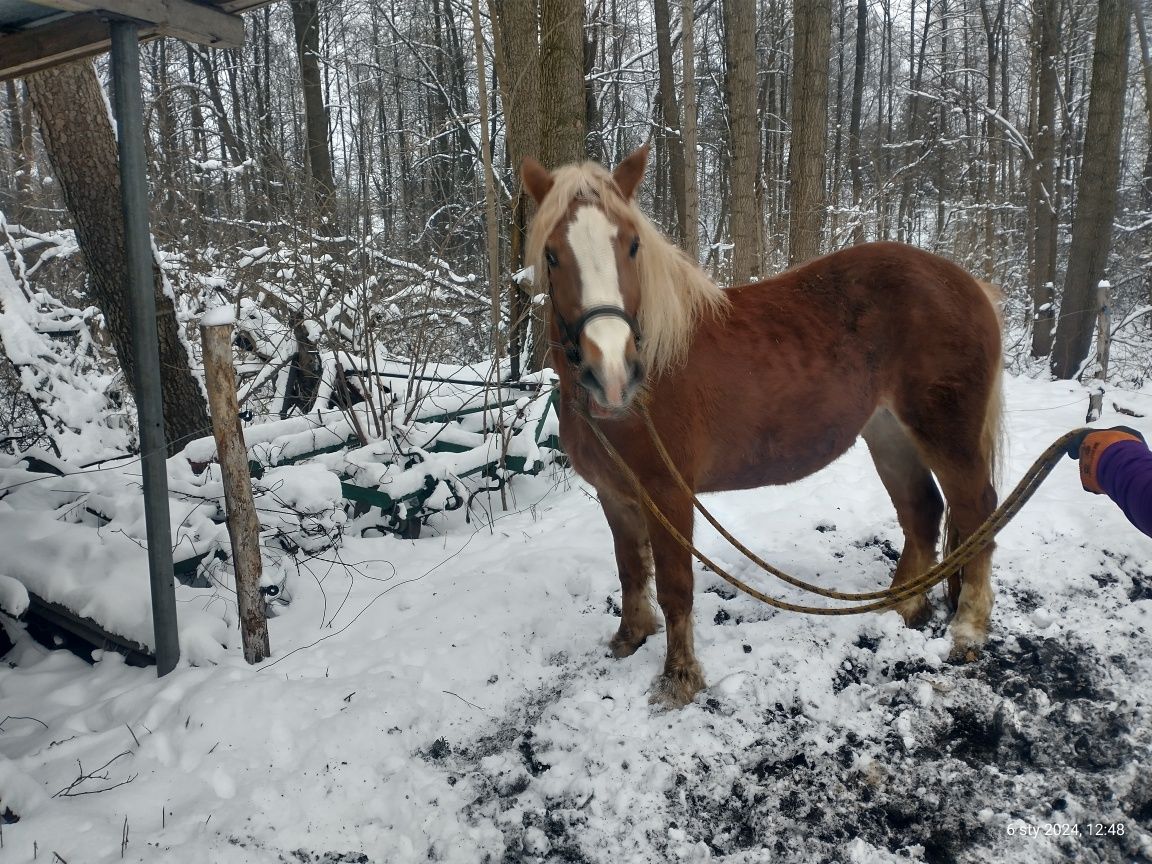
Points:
(243, 527)
(1103, 349)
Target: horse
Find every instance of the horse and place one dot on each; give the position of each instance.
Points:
(758, 385)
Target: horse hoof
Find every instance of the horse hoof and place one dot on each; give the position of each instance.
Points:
(967, 644)
(915, 612)
(961, 654)
(623, 645)
(677, 688)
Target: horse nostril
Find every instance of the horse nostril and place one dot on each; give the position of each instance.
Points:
(588, 379)
(635, 373)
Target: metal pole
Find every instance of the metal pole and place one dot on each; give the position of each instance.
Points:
(129, 112)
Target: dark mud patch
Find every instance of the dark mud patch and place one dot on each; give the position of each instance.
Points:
(301, 856)
(1132, 574)
(909, 761)
(1032, 733)
(1062, 668)
(884, 549)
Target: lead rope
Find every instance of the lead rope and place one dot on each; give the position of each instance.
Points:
(885, 599)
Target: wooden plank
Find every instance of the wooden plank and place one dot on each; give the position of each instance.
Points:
(237, 6)
(194, 22)
(243, 526)
(63, 41)
(63, 5)
(85, 33)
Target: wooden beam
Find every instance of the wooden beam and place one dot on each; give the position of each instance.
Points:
(85, 33)
(72, 38)
(194, 22)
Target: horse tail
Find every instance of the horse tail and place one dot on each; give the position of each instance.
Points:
(992, 434)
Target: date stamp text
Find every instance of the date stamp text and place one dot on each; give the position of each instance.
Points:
(1067, 829)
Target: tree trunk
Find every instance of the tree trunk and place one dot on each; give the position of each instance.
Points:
(562, 117)
(810, 49)
(1146, 68)
(1096, 191)
(993, 27)
(691, 235)
(518, 58)
(20, 138)
(306, 25)
(740, 80)
(77, 133)
(913, 152)
(836, 175)
(1042, 190)
(670, 130)
(492, 230)
(595, 142)
(855, 156)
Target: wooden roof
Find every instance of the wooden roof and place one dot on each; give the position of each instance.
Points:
(37, 34)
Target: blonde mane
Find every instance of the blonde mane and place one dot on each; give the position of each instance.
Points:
(674, 291)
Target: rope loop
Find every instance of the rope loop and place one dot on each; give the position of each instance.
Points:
(866, 601)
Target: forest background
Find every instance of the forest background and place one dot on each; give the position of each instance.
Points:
(348, 179)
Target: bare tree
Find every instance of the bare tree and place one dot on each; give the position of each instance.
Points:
(855, 156)
(691, 235)
(810, 52)
(1096, 192)
(1140, 12)
(1042, 192)
(744, 137)
(306, 25)
(517, 54)
(563, 114)
(670, 131)
(77, 133)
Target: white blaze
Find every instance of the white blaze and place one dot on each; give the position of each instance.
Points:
(591, 236)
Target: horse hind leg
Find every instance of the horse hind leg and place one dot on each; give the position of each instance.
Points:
(971, 500)
(634, 561)
(919, 507)
(960, 450)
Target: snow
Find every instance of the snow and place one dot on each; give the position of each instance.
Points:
(74, 398)
(13, 596)
(451, 698)
(218, 315)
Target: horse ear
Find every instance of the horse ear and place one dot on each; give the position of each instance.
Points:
(630, 172)
(536, 178)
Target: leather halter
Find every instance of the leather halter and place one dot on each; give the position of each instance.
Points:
(570, 333)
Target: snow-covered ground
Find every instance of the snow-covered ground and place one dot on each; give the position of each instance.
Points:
(451, 699)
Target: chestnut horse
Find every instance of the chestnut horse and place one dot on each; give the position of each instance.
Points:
(762, 384)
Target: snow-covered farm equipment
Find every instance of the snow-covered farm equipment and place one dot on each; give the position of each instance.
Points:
(458, 431)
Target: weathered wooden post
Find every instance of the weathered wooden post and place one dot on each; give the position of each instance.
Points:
(243, 527)
(1103, 349)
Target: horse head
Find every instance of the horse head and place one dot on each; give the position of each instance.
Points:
(588, 247)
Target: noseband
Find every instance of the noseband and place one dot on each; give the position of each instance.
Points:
(570, 333)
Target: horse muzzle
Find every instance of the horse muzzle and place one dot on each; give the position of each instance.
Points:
(611, 390)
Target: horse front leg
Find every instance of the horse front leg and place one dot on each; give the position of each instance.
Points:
(682, 678)
(634, 561)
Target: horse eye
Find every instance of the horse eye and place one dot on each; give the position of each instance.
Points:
(551, 258)
(634, 247)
